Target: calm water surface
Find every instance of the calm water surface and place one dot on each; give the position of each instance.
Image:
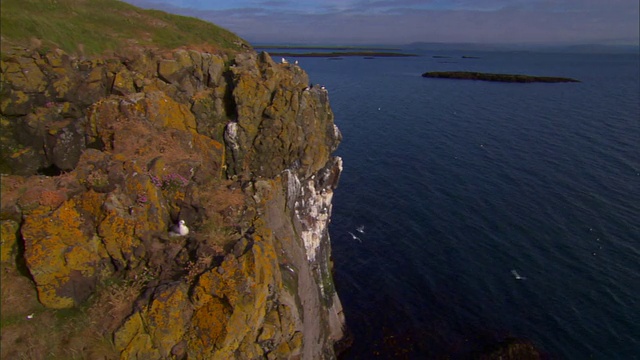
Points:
(458, 183)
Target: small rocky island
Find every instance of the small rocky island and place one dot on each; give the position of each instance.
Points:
(512, 78)
(342, 54)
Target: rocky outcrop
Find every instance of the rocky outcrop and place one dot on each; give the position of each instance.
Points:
(101, 156)
(294, 131)
(510, 349)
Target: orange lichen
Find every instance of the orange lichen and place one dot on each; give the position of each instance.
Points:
(117, 234)
(91, 203)
(203, 292)
(208, 327)
(168, 316)
(133, 342)
(165, 112)
(231, 280)
(55, 247)
(69, 243)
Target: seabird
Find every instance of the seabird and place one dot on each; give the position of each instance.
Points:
(323, 88)
(354, 236)
(517, 276)
(296, 62)
(360, 229)
(284, 61)
(179, 230)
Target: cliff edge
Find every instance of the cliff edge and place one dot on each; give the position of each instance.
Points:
(102, 155)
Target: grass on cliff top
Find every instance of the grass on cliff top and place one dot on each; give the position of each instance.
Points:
(28, 330)
(92, 27)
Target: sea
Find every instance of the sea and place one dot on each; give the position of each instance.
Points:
(487, 210)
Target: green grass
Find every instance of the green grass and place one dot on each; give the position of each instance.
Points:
(102, 25)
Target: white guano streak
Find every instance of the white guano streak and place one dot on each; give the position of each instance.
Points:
(312, 210)
(317, 218)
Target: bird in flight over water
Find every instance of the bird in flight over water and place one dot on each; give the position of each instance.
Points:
(517, 276)
(354, 236)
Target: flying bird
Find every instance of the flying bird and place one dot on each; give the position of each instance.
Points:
(354, 236)
(517, 276)
(360, 229)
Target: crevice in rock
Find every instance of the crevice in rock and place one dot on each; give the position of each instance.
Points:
(51, 170)
(21, 262)
(229, 103)
(98, 145)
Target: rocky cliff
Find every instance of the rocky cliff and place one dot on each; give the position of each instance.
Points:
(101, 156)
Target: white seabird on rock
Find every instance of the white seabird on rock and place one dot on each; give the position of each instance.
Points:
(284, 61)
(179, 230)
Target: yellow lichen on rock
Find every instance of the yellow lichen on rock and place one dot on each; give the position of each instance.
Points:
(63, 84)
(256, 268)
(168, 317)
(25, 75)
(165, 112)
(62, 258)
(203, 292)
(208, 328)
(212, 151)
(123, 82)
(133, 342)
(91, 202)
(99, 117)
(156, 329)
(163, 137)
(118, 237)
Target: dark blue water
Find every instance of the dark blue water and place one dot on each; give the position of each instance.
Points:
(457, 183)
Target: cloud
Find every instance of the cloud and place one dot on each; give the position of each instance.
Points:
(404, 21)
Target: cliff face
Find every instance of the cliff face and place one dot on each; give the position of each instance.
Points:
(101, 156)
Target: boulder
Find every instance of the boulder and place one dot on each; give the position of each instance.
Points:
(63, 255)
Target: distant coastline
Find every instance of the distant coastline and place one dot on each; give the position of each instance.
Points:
(512, 78)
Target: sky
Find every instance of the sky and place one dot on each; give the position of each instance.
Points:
(534, 22)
